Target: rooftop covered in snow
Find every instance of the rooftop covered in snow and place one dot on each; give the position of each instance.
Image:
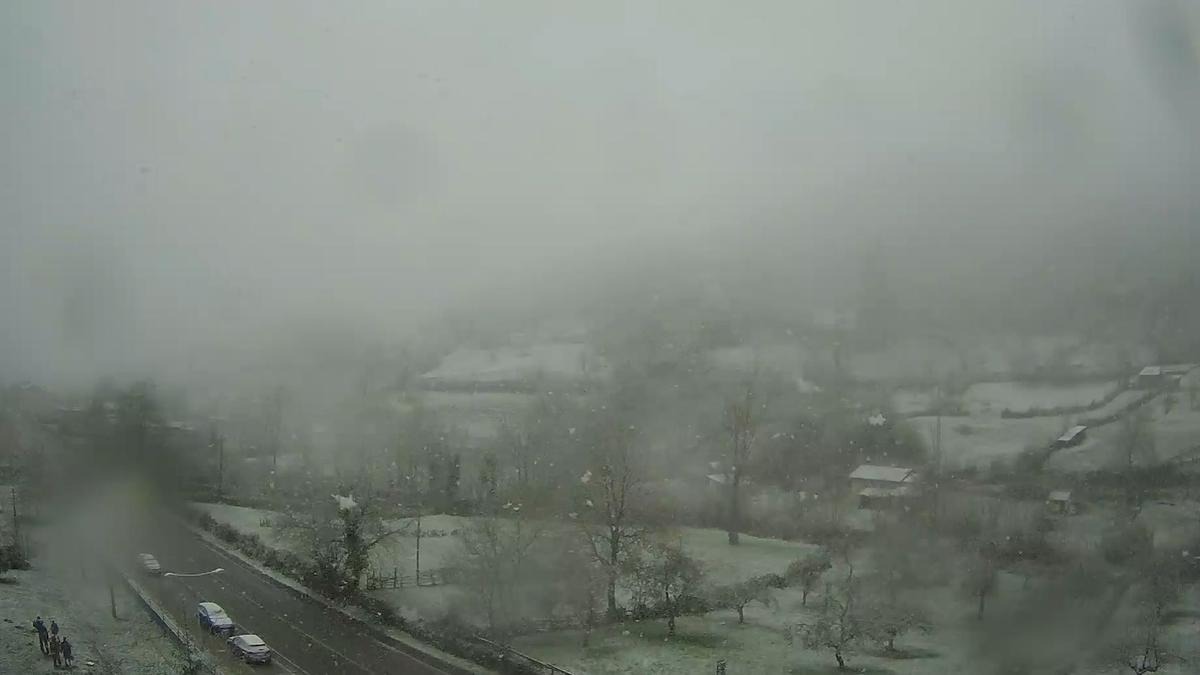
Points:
(886, 474)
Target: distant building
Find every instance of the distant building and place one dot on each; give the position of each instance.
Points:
(1151, 377)
(1059, 501)
(882, 486)
(1071, 437)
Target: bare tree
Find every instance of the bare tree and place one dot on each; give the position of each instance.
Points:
(609, 489)
(806, 572)
(891, 616)
(1141, 647)
(741, 423)
(979, 581)
(495, 560)
(664, 577)
(581, 577)
(1135, 439)
(841, 623)
(756, 589)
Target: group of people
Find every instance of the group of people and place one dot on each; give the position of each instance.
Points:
(51, 644)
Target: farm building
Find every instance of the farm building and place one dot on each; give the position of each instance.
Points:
(1071, 437)
(882, 486)
(1150, 377)
(1059, 501)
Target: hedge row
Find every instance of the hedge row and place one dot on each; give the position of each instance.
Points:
(1061, 410)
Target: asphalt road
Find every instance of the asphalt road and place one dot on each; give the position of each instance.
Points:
(307, 637)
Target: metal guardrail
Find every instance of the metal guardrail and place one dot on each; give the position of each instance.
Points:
(509, 651)
(167, 623)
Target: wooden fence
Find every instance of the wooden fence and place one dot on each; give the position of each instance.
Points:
(435, 577)
(515, 655)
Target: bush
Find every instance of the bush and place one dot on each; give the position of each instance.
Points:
(12, 557)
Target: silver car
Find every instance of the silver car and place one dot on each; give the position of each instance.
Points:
(250, 648)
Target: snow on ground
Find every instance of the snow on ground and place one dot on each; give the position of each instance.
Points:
(978, 441)
(751, 557)
(1176, 432)
(762, 645)
(990, 398)
(786, 358)
(480, 414)
(1176, 435)
(722, 562)
(1116, 405)
(908, 401)
(56, 590)
(754, 556)
(507, 364)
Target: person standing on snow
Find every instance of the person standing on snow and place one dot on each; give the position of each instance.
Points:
(43, 637)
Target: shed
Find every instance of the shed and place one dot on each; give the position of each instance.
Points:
(1071, 437)
(1150, 377)
(871, 475)
(1060, 501)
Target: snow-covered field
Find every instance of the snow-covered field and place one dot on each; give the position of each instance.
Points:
(1176, 434)
(978, 441)
(1119, 403)
(907, 401)
(507, 364)
(762, 644)
(990, 398)
(754, 556)
(480, 414)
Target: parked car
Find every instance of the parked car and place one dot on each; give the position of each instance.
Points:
(214, 618)
(250, 648)
(149, 564)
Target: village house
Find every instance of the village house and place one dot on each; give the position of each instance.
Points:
(1150, 377)
(1059, 501)
(882, 486)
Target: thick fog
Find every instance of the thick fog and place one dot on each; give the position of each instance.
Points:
(185, 187)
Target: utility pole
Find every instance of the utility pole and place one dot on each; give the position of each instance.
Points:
(16, 520)
(937, 453)
(218, 443)
(276, 425)
(417, 578)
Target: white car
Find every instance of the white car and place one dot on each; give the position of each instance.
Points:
(212, 617)
(149, 563)
(250, 648)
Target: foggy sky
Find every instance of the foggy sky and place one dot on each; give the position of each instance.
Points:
(191, 181)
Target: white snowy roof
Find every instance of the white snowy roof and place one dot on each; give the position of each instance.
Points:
(1072, 433)
(1060, 496)
(1151, 370)
(890, 474)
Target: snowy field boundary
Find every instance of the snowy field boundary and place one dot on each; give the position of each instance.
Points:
(162, 618)
(408, 645)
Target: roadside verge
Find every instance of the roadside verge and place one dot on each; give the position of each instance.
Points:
(163, 619)
(389, 637)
